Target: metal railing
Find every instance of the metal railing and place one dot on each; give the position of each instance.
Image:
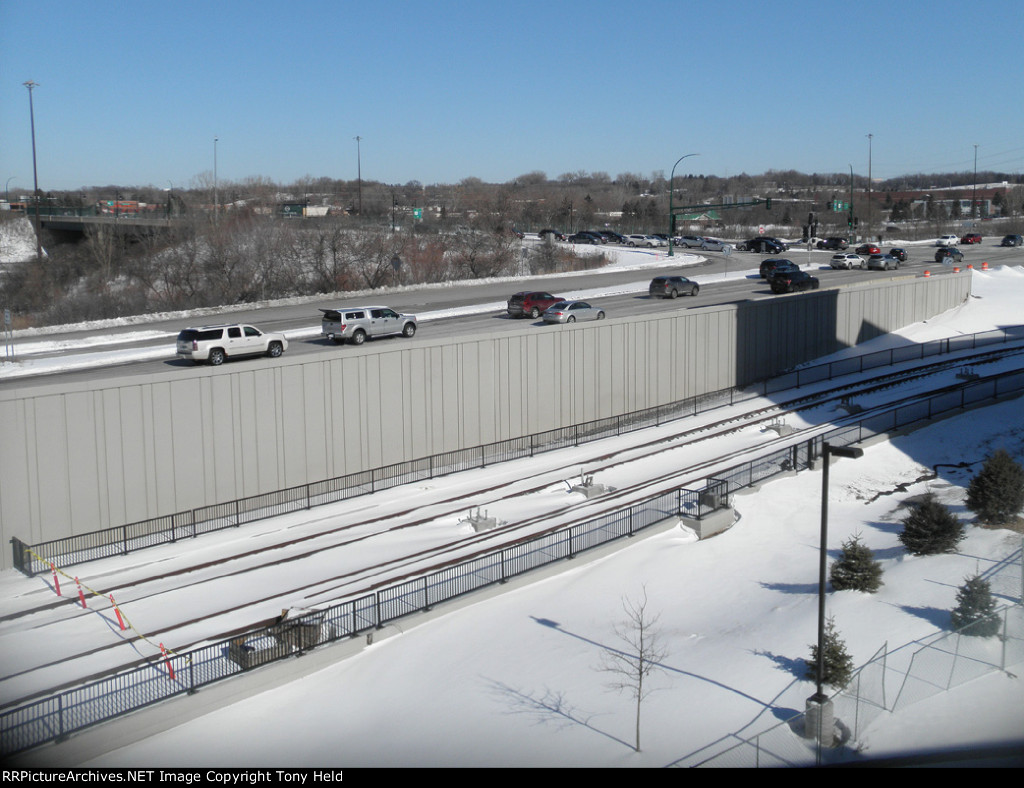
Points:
(50, 718)
(121, 540)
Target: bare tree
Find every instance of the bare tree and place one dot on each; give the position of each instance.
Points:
(641, 652)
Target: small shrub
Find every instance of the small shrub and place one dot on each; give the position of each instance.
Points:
(856, 569)
(974, 613)
(931, 529)
(837, 667)
(996, 494)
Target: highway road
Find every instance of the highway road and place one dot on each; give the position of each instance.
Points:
(462, 309)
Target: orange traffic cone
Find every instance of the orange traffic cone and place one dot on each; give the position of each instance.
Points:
(927, 273)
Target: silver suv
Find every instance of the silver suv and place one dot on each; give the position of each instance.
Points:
(357, 323)
(214, 344)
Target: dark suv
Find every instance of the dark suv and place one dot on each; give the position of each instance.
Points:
(672, 286)
(775, 265)
(531, 303)
(948, 254)
(1012, 240)
(837, 244)
(791, 281)
(765, 245)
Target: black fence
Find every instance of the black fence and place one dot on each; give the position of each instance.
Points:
(121, 540)
(54, 717)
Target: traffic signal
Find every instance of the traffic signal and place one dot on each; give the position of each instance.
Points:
(830, 205)
(768, 203)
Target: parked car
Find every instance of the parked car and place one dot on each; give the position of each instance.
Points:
(794, 281)
(572, 311)
(714, 245)
(774, 264)
(949, 254)
(554, 234)
(1012, 240)
(899, 253)
(672, 286)
(585, 238)
(867, 249)
(643, 240)
(216, 344)
(356, 324)
(764, 246)
(971, 238)
(613, 237)
(530, 303)
(835, 243)
(883, 262)
(689, 241)
(947, 240)
(846, 260)
(599, 235)
(661, 237)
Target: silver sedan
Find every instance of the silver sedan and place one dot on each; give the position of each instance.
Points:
(572, 311)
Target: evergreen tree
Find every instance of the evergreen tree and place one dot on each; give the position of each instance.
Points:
(856, 569)
(837, 667)
(996, 494)
(931, 528)
(974, 613)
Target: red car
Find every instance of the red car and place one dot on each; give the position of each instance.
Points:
(531, 303)
(868, 249)
(971, 238)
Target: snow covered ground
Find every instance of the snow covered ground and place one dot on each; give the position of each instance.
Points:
(512, 677)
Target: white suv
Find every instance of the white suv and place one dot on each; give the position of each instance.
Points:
(214, 344)
(357, 323)
(948, 240)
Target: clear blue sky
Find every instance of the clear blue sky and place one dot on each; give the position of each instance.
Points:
(133, 93)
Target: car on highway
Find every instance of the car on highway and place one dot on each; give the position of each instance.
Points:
(971, 238)
(949, 254)
(764, 246)
(866, 249)
(793, 281)
(530, 303)
(835, 243)
(1012, 240)
(882, 262)
(773, 265)
(947, 240)
(846, 260)
(356, 324)
(899, 253)
(689, 241)
(216, 344)
(572, 311)
(714, 245)
(643, 240)
(672, 287)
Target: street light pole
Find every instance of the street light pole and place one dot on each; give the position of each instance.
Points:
(974, 195)
(216, 195)
(359, 172)
(870, 136)
(35, 175)
(819, 708)
(671, 191)
(7, 188)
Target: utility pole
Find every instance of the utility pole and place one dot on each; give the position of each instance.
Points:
(35, 175)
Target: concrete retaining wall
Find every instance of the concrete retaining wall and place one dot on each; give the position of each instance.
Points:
(90, 457)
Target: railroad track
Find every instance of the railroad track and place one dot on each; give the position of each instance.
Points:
(334, 554)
